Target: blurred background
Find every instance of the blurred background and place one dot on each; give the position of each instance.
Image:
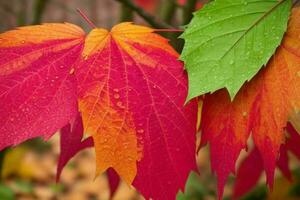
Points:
(28, 171)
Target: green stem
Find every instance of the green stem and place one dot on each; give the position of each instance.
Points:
(2, 156)
(126, 13)
(188, 11)
(295, 2)
(39, 8)
(21, 18)
(169, 11)
(146, 16)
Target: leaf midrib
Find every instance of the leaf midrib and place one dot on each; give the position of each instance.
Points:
(253, 25)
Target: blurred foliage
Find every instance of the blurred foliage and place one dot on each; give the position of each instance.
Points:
(194, 190)
(6, 193)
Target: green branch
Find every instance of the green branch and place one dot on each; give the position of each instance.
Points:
(146, 16)
(39, 8)
(188, 11)
(126, 14)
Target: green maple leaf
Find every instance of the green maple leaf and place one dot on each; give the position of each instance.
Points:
(228, 41)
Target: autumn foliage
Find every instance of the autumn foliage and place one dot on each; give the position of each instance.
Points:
(125, 93)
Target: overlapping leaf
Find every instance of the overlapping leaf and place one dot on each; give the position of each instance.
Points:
(124, 86)
(248, 175)
(37, 92)
(227, 42)
(262, 107)
(130, 87)
(71, 142)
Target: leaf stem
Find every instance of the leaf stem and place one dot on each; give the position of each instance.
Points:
(168, 30)
(92, 25)
(146, 16)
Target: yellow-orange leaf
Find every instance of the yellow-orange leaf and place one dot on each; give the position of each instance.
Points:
(264, 104)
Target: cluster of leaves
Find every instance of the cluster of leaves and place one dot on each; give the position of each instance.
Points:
(126, 90)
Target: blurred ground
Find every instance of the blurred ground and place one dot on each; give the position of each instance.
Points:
(29, 174)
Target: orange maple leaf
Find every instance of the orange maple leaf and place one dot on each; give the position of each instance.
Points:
(128, 85)
(262, 108)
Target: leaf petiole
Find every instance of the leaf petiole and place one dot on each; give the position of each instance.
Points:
(92, 25)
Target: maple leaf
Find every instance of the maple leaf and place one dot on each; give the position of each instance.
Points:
(131, 111)
(130, 88)
(262, 107)
(227, 42)
(248, 176)
(71, 143)
(113, 181)
(37, 92)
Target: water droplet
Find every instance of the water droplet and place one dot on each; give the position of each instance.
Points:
(12, 119)
(119, 104)
(245, 114)
(116, 96)
(56, 77)
(231, 62)
(298, 73)
(85, 57)
(23, 41)
(72, 71)
(61, 66)
(140, 131)
(154, 86)
(116, 90)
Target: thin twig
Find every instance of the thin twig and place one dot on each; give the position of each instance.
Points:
(39, 8)
(169, 10)
(295, 3)
(126, 14)
(188, 11)
(86, 18)
(168, 30)
(146, 16)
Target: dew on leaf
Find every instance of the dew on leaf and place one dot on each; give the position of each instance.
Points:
(72, 71)
(116, 96)
(120, 104)
(140, 131)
